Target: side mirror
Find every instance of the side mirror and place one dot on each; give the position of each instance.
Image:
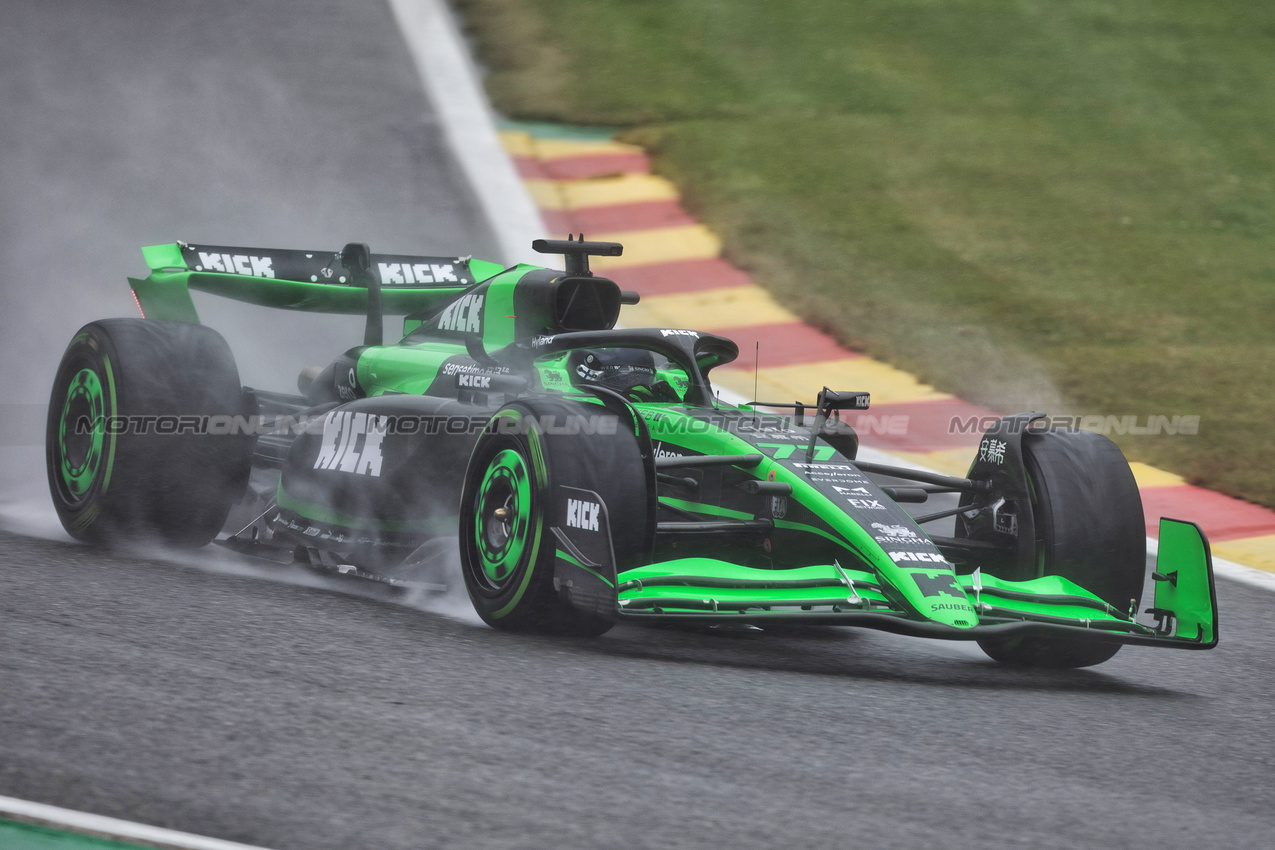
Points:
(830, 400)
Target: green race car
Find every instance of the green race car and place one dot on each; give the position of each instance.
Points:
(590, 474)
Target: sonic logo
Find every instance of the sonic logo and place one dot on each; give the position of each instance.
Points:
(894, 530)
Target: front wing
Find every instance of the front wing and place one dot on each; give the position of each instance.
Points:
(711, 592)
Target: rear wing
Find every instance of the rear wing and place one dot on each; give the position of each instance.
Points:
(313, 281)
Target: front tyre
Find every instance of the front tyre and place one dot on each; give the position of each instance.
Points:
(128, 450)
(506, 542)
(1089, 529)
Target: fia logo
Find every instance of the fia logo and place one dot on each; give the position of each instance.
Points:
(582, 514)
(352, 443)
(465, 315)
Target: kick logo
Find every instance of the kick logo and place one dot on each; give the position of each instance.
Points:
(582, 514)
(928, 557)
(480, 382)
(392, 273)
(465, 315)
(352, 443)
(236, 264)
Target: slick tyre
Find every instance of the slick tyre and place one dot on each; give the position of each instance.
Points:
(507, 510)
(1089, 528)
(129, 455)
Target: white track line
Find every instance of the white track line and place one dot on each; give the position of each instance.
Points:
(110, 828)
(452, 83)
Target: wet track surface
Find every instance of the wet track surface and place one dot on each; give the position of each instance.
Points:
(194, 693)
(301, 717)
(261, 124)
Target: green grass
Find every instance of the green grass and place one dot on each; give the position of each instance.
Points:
(1034, 203)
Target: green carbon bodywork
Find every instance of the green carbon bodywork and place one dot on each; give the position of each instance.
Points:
(1185, 589)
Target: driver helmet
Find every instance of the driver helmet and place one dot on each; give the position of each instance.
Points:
(619, 369)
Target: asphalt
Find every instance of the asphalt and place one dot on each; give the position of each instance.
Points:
(297, 716)
(274, 707)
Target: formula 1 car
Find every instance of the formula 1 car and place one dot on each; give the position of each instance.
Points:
(590, 473)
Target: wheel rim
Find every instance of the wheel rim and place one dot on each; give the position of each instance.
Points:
(502, 527)
(80, 433)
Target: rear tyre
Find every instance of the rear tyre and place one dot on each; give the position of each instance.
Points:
(124, 451)
(1089, 528)
(507, 547)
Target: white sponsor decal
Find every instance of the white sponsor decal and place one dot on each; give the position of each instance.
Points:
(244, 264)
(660, 451)
(464, 315)
(352, 443)
(672, 332)
(895, 535)
(926, 557)
(477, 381)
(861, 504)
(392, 273)
(450, 369)
(581, 514)
(992, 451)
(778, 507)
(542, 339)
(828, 473)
